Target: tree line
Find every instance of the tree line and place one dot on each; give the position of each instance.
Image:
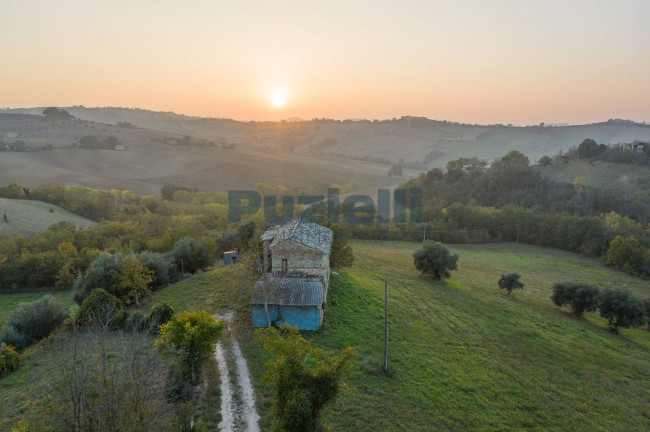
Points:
(510, 201)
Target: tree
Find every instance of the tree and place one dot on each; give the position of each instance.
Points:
(192, 336)
(164, 268)
(56, 113)
(513, 159)
(545, 161)
(395, 170)
(167, 191)
(341, 254)
(587, 148)
(190, 255)
(132, 281)
(435, 259)
(625, 253)
(582, 297)
(621, 309)
(306, 379)
(510, 282)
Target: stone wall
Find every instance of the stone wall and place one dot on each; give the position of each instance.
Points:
(301, 260)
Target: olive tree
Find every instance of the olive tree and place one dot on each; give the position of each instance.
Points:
(510, 282)
(621, 309)
(435, 259)
(582, 297)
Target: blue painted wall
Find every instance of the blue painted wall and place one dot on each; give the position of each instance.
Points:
(306, 318)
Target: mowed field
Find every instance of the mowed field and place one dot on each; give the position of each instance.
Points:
(31, 217)
(463, 354)
(145, 168)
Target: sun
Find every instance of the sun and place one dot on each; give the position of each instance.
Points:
(278, 97)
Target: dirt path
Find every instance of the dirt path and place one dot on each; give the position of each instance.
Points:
(249, 416)
(237, 413)
(227, 419)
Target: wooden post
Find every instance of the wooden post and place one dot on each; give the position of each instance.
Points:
(386, 328)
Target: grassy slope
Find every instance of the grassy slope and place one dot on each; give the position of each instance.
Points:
(30, 217)
(465, 356)
(468, 357)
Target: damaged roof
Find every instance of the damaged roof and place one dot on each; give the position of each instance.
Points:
(302, 231)
(287, 291)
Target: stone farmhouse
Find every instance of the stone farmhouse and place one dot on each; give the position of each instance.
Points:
(297, 270)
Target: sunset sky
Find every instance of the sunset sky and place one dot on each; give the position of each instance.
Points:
(521, 62)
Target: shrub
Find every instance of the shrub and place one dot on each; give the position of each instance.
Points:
(306, 379)
(137, 321)
(31, 322)
(582, 297)
(10, 336)
(9, 359)
(159, 315)
(191, 336)
(510, 282)
(435, 259)
(101, 309)
(621, 309)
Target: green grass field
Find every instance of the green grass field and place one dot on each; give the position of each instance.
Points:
(464, 356)
(31, 217)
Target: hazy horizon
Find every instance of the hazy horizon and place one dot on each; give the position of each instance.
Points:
(504, 62)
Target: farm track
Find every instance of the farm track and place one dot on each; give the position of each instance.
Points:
(238, 412)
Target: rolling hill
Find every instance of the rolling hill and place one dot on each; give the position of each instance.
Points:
(301, 154)
(31, 217)
(413, 139)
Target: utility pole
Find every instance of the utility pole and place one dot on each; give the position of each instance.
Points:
(386, 328)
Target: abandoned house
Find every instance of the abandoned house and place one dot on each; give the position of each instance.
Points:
(297, 269)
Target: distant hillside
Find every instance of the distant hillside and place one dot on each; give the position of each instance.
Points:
(153, 158)
(36, 131)
(222, 154)
(416, 140)
(31, 217)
